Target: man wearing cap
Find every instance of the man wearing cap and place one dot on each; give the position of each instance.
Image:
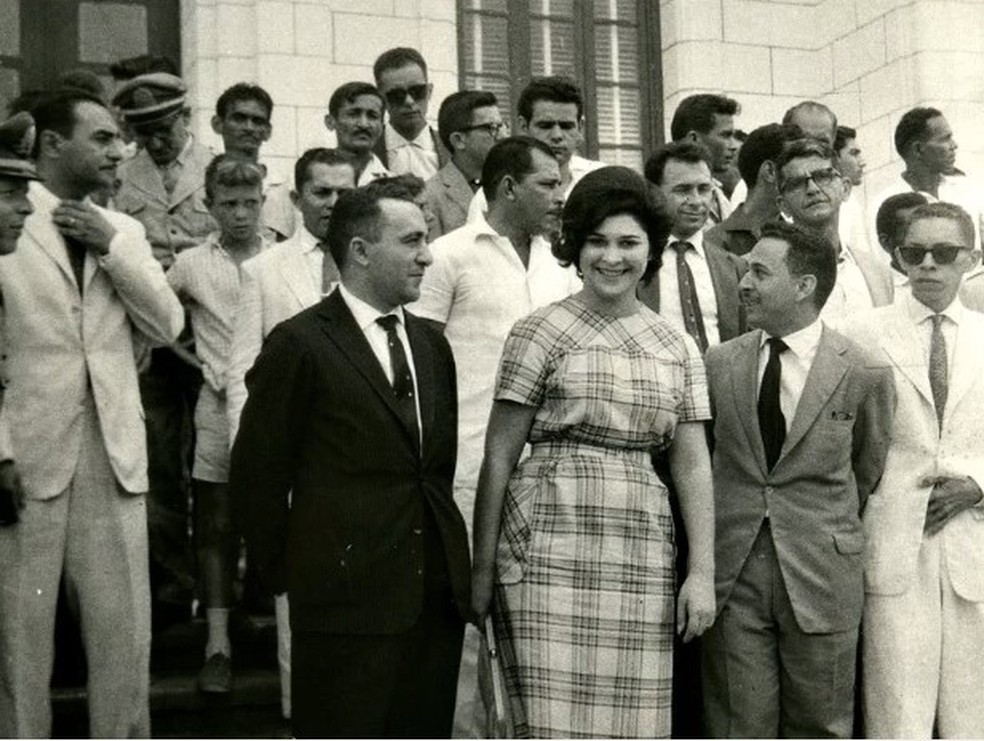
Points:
(163, 187)
(79, 290)
(16, 171)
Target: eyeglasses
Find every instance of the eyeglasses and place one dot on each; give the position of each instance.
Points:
(397, 95)
(493, 128)
(821, 178)
(943, 254)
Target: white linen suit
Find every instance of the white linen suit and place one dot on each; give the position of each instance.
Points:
(924, 607)
(72, 407)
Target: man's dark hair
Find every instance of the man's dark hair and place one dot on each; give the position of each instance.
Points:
(552, 89)
(82, 79)
(762, 145)
(243, 91)
(231, 170)
(26, 101)
(405, 187)
(696, 113)
(513, 157)
(127, 69)
(56, 112)
(349, 92)
(808, 254)
(951, 211)
(844, 135)
(319, 155)
(456, 112)
(799, 148)
(397, 58)
(357, 214)
(887, 220)
(684, 151)
(913, 127)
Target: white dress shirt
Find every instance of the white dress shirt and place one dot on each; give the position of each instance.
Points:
(795, 363)
(851, 294)
(670, 307)
(314, 257)
(418, 157)
(365, 317)
(922, 316)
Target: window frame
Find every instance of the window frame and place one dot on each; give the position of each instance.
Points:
(650, 64)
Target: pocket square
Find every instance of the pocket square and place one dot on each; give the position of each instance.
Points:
(841, 416)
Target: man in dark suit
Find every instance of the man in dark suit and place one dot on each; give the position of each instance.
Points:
(802, 422)
(352, 411)
(697, 287)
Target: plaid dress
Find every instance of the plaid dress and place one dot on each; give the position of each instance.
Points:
(585, 592)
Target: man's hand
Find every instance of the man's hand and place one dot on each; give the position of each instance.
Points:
(11, 493)
(951, 495)
(81, 221)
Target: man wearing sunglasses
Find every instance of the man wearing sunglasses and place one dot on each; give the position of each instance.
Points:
(811, 191)
(924, 523)
(470, 124)
(408, 144)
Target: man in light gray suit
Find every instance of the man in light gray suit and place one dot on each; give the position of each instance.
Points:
(802, 422)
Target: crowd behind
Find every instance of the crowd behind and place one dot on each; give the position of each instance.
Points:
(517, 442)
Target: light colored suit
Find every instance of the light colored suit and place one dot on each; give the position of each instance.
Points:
(276, 284)
(448, 196)
(924, 611)
(808, 510)
(72, 407)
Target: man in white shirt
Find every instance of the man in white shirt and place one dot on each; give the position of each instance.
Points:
(486, 276)
(709, 120)
(924, 523)
(697, 286)
(811, 191)
(409, 144)
(924, 140)
(850, 162)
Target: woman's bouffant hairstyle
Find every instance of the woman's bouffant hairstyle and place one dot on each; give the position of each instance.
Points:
(606, 192)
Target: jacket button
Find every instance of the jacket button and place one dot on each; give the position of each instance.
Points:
(769, 490)
(417, 531)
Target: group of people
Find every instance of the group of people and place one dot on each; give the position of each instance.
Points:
(687, 448)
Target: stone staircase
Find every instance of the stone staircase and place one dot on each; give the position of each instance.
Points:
(178, 709)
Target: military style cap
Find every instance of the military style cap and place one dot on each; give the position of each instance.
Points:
(16, 142)
(151, 98)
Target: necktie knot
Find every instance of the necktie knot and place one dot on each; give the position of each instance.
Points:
(776, 346)
(937, 321)
(388, 322)
(680, 247)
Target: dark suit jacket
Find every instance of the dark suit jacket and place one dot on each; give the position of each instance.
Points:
(832, 459)
(321, 423)
(726, 270)
(443, 155)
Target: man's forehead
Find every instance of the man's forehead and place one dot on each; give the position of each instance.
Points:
(249, 106)
(722, 122)
(804, 165)
(544, 165)
(677, 171)
(769, 252)
(402, 216)
(410, 73)
(938, 125)
(97, 118)
(359, 103)
(554, 111)
(486, 114)
(935, 230)
(332, 176)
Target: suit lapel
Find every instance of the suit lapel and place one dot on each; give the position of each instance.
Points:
(967, 357)
(49, 239)
(297, 275)
(423, 364)
(144, 176)
(457, 188)
(191, 178)
(829, 367)
(341, 328)
(905, 349)
(744, 379)
(725, 283)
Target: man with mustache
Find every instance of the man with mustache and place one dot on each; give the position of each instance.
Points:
(811, 191)
(486, 276)
(408, 143)
(163, 187)
(355, 114)
(802, 423)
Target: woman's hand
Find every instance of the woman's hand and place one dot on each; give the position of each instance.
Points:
(695, 606)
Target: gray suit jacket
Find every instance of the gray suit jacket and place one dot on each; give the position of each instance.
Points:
(831, 461)
(448, 196)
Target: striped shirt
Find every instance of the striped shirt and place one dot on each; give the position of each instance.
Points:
(206, 279)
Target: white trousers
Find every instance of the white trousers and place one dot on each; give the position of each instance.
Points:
(924, 657)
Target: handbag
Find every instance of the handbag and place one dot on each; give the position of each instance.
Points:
(498, 716)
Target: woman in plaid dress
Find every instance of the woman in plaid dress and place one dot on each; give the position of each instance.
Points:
(576, 542)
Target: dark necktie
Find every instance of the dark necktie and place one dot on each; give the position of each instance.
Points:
(938, 368)
(76, 256)
(402, 380)
(772, 423)
(693, 320)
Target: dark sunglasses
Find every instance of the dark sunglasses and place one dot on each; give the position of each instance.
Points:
(943, 254)
(821, 178)
(397, 95)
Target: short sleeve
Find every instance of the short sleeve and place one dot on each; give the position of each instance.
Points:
(526, 363)
(437, 287)
(695, 405)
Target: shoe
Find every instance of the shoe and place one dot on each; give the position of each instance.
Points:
(216, 675)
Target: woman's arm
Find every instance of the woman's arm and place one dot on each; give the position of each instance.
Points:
(690, 467)
(509, 426)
